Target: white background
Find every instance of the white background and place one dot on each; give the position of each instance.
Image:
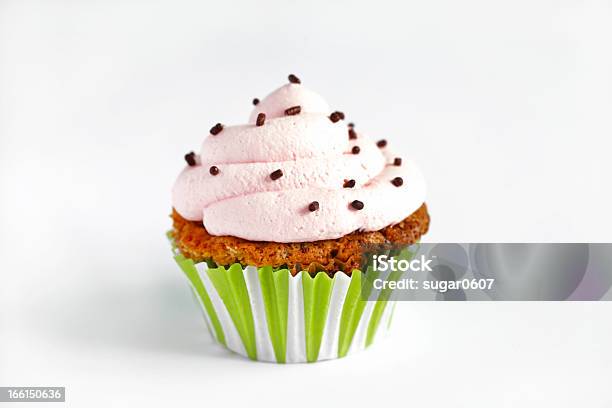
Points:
(505, 105)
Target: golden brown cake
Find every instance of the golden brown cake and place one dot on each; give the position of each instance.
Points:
(331, 255)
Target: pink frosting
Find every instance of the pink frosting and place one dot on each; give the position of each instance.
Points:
(286, 96)
(315, 156)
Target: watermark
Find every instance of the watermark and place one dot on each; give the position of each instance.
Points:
(453, 271)
(384, 262)
(32, 394)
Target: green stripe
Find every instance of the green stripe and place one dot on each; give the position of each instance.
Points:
(351, 313)
(192, 274)
(196, 299)
(385, 294)
(391, 315)
(231, 287)
(379, 307)
(317, 293)
(275, 292)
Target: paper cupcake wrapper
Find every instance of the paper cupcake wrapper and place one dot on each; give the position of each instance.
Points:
(270, 315)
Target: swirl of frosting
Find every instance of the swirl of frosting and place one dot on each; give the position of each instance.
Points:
(260, 182)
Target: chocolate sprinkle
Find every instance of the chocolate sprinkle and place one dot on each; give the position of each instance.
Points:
(352, 134)
(294, 80)
(294, 110)
(276, 174)
(398, 181)
(355, 150)
(314, 206)
(255, 101)
(261, 119)
(349, 183)
(215, 130)
(190, 159)
(351, 125)
(358, 205)
(336, 116)
(397, 161)
(381, 143)
(214, 170)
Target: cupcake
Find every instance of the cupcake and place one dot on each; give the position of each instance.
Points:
(269, 224)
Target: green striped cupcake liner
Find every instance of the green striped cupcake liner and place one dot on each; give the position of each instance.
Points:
(270, 315)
